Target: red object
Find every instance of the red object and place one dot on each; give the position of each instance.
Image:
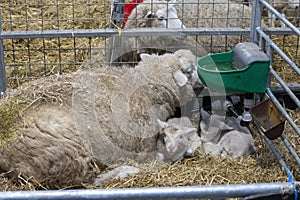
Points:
(128, 7)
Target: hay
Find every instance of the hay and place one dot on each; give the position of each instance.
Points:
(34, 58)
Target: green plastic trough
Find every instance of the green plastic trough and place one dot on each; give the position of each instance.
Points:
(244, 69)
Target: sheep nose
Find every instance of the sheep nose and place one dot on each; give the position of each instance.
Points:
(171, 149)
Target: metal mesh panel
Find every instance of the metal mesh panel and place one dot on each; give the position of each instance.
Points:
(28, 59)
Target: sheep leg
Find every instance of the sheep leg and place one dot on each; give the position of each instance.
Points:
(119, 172)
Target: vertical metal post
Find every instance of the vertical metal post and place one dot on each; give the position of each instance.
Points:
(255, 19)
(117, 17)
(2, 64)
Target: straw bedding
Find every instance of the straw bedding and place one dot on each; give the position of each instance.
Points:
(198, 170)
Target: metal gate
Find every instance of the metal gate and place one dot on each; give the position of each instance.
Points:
(76, 37)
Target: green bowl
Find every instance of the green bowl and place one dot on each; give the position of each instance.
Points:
(217, 72)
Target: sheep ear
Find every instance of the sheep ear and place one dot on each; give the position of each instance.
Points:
(223, 126)
(162, 124)
(172, 2)
(144, 56)
(180, 78)
(190, 131)
(204, 115)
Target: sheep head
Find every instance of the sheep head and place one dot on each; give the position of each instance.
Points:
(155, 14)
(212, 126)
(185, 63)
(179, 137)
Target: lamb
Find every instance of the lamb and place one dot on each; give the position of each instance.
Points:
(178, 133)
(238, 142)
(62, 130)
(177, 139)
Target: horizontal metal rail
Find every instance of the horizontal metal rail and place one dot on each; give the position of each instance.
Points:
(216, 191)
(124, 32)
(133, 32)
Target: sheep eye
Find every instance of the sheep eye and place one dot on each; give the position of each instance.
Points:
(161, 18)
(189, 71)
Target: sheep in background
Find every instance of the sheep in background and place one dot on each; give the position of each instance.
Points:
(214, 14)
(287, 8)
(151, 14)
(177, 134)
(75, 122)
(235, 143)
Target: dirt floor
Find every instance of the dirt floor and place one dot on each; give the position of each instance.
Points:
(28, 59)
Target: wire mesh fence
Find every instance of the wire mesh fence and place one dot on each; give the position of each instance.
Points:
(27, 59)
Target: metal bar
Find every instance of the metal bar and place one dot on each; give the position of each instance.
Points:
(280, 52)
(279, 31)
(255, 19)
(2, 63)
(125, 32)
(273, 149)
(280, 16)
(286, 88)
(133, 32)
(290, 148)
(216, 191)
(283, 111)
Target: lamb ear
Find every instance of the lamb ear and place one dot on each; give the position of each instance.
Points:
(190, 131)
(144, 56)
(180, 78)
(204, 115)
(162, 124)
(223, 126)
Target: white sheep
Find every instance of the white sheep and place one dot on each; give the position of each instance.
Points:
(179, 139)
(214, 14)
(220, 139)
(287, 8)
(102, 117)
(151, 14)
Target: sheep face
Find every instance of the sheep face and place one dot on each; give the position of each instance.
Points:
(187, 70)
(168, 18)
(162, 15)
(294, 4)
(155, 14)
(188, 66)
(177, 135)
(212, 127)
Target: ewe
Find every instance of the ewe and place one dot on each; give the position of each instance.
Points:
(59, 129)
